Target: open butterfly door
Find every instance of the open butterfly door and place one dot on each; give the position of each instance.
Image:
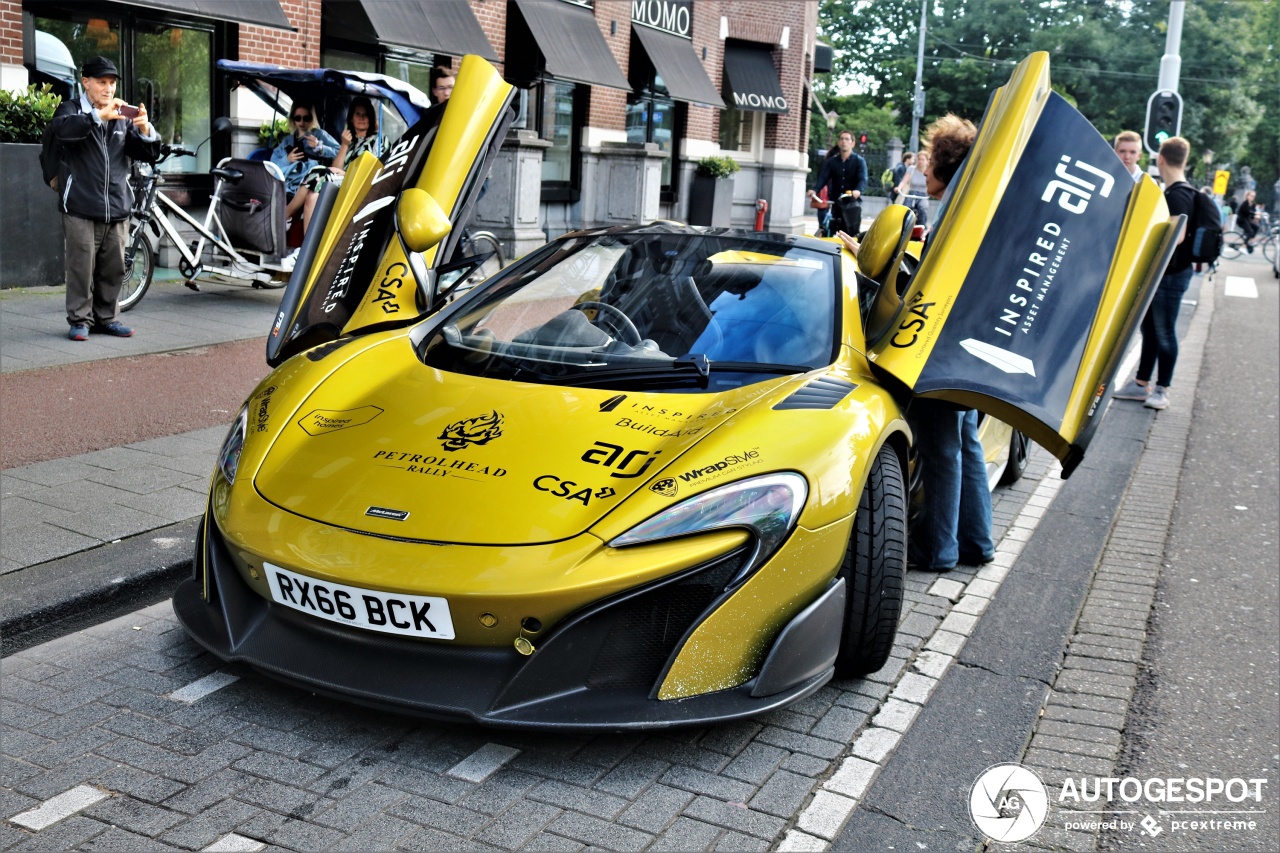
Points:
(370, 257)
(1045, 258)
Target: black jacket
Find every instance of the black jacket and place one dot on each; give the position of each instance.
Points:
(94, 177)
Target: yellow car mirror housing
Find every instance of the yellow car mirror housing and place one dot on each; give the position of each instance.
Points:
(421, 220)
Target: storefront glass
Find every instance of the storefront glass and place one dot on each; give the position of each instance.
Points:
(556, 125)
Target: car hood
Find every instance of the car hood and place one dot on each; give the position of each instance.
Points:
(388, 446)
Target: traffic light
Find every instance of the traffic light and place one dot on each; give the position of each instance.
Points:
(1164, 119)
(862, 142)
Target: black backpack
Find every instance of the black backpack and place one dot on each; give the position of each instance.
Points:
(50, 154)
(1204, 227)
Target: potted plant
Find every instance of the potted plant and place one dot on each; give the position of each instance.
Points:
(271, 132)
(29, 216)
(711, 193)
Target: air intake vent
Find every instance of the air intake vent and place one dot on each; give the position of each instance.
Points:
(824, 393)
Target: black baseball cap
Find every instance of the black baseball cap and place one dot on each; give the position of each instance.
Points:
(100, 66)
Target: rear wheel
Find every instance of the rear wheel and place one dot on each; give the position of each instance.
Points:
(874, 564)
(139, 267)
(1019, 449)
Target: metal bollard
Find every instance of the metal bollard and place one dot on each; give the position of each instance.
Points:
(762, 207)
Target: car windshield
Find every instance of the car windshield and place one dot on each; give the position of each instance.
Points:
(648, 309)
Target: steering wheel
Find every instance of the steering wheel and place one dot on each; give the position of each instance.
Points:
(613, 320)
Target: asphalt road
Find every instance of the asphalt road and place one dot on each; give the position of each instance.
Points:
(55, 412)
(1208, 700)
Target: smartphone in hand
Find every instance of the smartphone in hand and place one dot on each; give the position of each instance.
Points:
(128, 111)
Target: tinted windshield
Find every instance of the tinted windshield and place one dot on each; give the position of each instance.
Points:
(638, 307)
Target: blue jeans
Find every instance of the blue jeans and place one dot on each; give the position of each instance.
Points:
(1160, 329)
(957, 502)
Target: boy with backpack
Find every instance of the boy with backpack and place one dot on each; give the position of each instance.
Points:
(1196, 244)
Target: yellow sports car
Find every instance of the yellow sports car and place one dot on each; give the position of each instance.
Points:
(651, 475)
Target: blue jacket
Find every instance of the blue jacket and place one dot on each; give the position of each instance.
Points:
(295, 172)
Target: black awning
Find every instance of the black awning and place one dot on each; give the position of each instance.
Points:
(572, 46)
(434, 26)
(751, 78)
(677, 64)
(264, 12)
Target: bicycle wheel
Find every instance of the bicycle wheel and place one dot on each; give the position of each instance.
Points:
(482, 242)
(1270, 247)
(1232, 244)
(139, 267)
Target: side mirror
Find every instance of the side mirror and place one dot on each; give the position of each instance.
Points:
(221, 124)
(420, 219)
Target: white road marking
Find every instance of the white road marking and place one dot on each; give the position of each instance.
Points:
(60, 807)
(202, 687)
(483, 763)
(233, 843)
(1238, 285)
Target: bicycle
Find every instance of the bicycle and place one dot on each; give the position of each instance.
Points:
(212, 251)
(475, 243)
(1234, 243)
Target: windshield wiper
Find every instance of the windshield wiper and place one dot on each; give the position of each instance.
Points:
(696, 367)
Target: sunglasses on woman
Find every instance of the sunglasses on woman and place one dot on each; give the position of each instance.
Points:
(302, 117)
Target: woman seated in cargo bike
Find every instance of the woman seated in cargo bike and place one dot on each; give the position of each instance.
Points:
(360, 135)
(301, 152)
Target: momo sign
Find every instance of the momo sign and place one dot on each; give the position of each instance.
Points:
(670, 16)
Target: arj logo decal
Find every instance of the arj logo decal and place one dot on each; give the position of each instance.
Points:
(1074, 191)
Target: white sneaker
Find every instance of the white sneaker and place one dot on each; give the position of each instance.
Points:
(1159, 398)
(1133, 391)
(289, 260)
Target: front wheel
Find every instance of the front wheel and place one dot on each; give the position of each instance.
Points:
(139, 267)
(482, 242)
(873, 569)
(1019, 450)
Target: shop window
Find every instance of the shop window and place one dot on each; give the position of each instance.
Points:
(558, 119)
(742, 132)
(652, 117)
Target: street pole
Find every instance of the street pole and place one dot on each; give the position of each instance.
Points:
(917, 103)
(1171, 62)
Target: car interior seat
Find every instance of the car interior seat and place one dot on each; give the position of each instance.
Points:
(880, 259)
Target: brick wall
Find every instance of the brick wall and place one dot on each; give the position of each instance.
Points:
(11, 32)
(492, 15)
(609, 106)
(753, 21)
(300, 49)
(704, 122)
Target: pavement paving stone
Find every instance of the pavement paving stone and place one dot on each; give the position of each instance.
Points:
(279, 797)
(1067, 761)
(876, 744)
(359, 805)
(578, 799)
(289, 832)
(514, 827)
(892, 669)
(790, 720)
(918, 625)
(665, 748)
(755, 763)
(914, 687)
(549, 842)
(896, 714)
(826, 814)
(268, 739)
(632, 775)
(840, 724)
(443, 816)
(1094, 664)
(686, 834)
(69, 834)
(18, 743)
(1100, 749)
(134, 815)
(1066, 714)
(499, 791)
(806, 765)
(871, 688)
(858, 702)
(735, 815)
(737, 841)
(783, 794)
(590, 830)
(731, 738)
(817, 747)
(657, 809)
(141, 785)
(702, 782)
(381, 833)
(853, 777)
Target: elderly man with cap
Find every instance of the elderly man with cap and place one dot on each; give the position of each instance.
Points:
(99, 136)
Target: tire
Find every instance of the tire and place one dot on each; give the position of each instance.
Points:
(873, 569)
(1019, 450)
(137, 272)
(1232, 244)
(1270, 247)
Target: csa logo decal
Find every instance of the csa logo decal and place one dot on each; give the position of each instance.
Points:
(666, 487)
(478, 430)
(571, 491)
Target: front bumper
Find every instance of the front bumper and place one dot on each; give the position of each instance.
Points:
(599, 669)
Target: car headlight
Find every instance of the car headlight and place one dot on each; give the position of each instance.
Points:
(233, 446)
(768, 506)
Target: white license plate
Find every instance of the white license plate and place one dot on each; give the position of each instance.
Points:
(391, 613)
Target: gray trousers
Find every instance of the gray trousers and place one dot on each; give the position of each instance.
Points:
(94, 268)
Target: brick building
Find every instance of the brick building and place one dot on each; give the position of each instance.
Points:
(618, 99)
